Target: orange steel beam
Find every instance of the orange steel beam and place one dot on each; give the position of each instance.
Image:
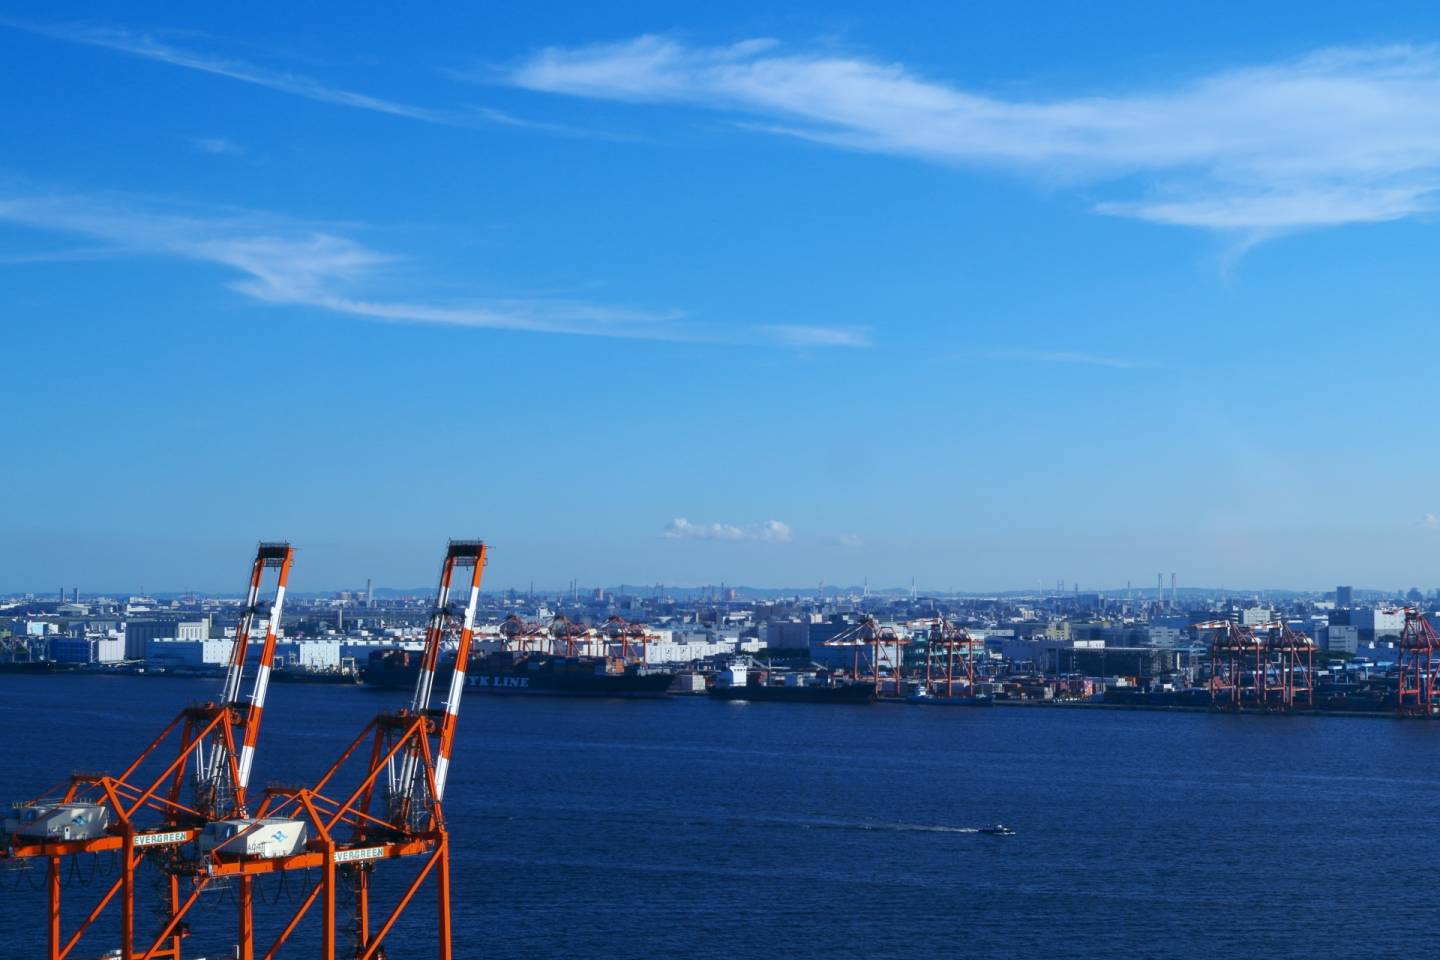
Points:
(99, 908)
(442, 890)
(245, 934)
(305, 906)
(441, 851)
(53, 883)
(362, 906)
(327, 903)
(200, 884)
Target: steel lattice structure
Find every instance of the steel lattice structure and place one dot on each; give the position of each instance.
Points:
(392, 812)
(154, 812)
(1418, 667)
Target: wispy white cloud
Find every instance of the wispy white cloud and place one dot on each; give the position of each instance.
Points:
(217, 146)
(1067, 356)
(770, 531)
(1338, 136)
(152, 47)
(282, 261)
(801, 336)
(1430, 521)
(850, 540)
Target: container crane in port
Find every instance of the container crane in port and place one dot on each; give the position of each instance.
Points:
(1418, 667)
(945, 637)
(141, 812)
(392, 812)
(568, 635)
(628, 636)
(1235, 652)
(523, 637)
(882, 640)
(1294, 653)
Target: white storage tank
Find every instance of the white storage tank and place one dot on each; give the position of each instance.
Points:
(58, 821)
(266, 837)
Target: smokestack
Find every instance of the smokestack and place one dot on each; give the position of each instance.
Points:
(1172, 590)
(1159, 588)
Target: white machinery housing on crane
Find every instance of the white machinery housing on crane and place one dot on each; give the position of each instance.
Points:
(266, 837)
(58, 821)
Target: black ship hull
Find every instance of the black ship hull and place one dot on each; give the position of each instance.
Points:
(547, 683)
(527, 676)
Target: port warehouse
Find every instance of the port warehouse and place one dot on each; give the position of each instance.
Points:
(199, 644)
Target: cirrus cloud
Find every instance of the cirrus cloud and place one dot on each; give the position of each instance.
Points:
(283, 261)
(1341, 135)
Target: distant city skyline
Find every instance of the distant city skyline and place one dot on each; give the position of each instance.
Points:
(986, 297)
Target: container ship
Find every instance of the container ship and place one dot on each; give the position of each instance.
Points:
(738, 683)
(536, 674)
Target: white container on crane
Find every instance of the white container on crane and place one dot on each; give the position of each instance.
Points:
(58, 821)
(266, 837)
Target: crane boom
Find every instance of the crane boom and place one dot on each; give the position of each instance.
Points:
(220, 771)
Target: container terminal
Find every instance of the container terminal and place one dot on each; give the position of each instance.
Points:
(1339, 652)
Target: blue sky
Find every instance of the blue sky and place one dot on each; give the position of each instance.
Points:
(989, 296)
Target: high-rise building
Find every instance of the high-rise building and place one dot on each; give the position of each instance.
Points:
(1344, 596)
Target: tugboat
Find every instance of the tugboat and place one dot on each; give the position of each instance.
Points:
(924, 697)
(998, 830)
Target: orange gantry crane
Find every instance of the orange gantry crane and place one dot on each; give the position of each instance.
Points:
(1269, 667)
(1294, 653)
(628, 636)
(883, 641)
(1418, 667)
(568, 635)
(944, 637)
(1237, 665)
(142, 812)
(344, 835)
(523, 637)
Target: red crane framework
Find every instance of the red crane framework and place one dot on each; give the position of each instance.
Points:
(1237, 665)
(1417, 667)
(567, 635)
(153, 812)
(883, 642)
(944, 637)
(1294, 654)
(346, 834)
(524, 637)
(1272, 670)
(628, 637)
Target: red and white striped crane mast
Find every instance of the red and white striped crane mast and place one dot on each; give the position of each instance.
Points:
(409, 758)
(151, 811)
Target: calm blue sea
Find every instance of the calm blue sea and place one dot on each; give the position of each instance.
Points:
(688, 828)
